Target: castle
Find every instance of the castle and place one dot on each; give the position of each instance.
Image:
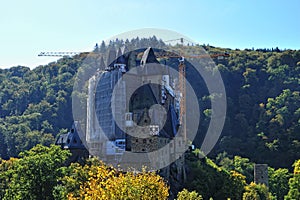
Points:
(136, 125)
(140, 117)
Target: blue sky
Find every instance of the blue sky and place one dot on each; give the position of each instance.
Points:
(29, 27)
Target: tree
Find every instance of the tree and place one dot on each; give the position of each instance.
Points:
(108, 183)
(255, 191)
(102, 47)
(74, 177)
(209, 180)
(238, 164)
(186, 195)
(278, 182)
(96, 48)
(238, 182)
(294, 183)
(35, 174)
(6, 173)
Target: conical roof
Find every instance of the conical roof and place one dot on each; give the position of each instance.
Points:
(148, 57)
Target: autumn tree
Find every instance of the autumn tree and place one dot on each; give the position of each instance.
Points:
(108, 183)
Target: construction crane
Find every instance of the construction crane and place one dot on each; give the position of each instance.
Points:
(182, 89)
(181, 40)
(60, 54)
(182, 75)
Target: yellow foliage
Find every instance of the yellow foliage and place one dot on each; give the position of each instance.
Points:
(7, 164)
(261, 105)
(108, 183)
(297, 167)
(186, 195)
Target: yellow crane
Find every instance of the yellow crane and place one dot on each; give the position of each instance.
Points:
(182, 77)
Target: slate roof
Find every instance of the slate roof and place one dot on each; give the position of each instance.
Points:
(149, 57)
(71, 140)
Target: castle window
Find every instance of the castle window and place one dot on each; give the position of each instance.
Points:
(127, 117)
(144, 141)
(136, 140)
(150, 140)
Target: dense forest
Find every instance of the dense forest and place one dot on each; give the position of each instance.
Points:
(262, 121)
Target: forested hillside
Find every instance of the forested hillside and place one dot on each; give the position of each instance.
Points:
(263, 112)
(263, 106)
(35, 105)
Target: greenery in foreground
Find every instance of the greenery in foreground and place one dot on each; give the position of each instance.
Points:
(40, 173)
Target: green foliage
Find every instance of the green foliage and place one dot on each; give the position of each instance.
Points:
(186, 195)
(6, 173)
(278, 182)
(238, 164)
(35, 105)
(294, 183)
(257, 192)
(209, 180)
(278, 178)
(73, 178)
(35, 173)
(40, 173)
(262, 121)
